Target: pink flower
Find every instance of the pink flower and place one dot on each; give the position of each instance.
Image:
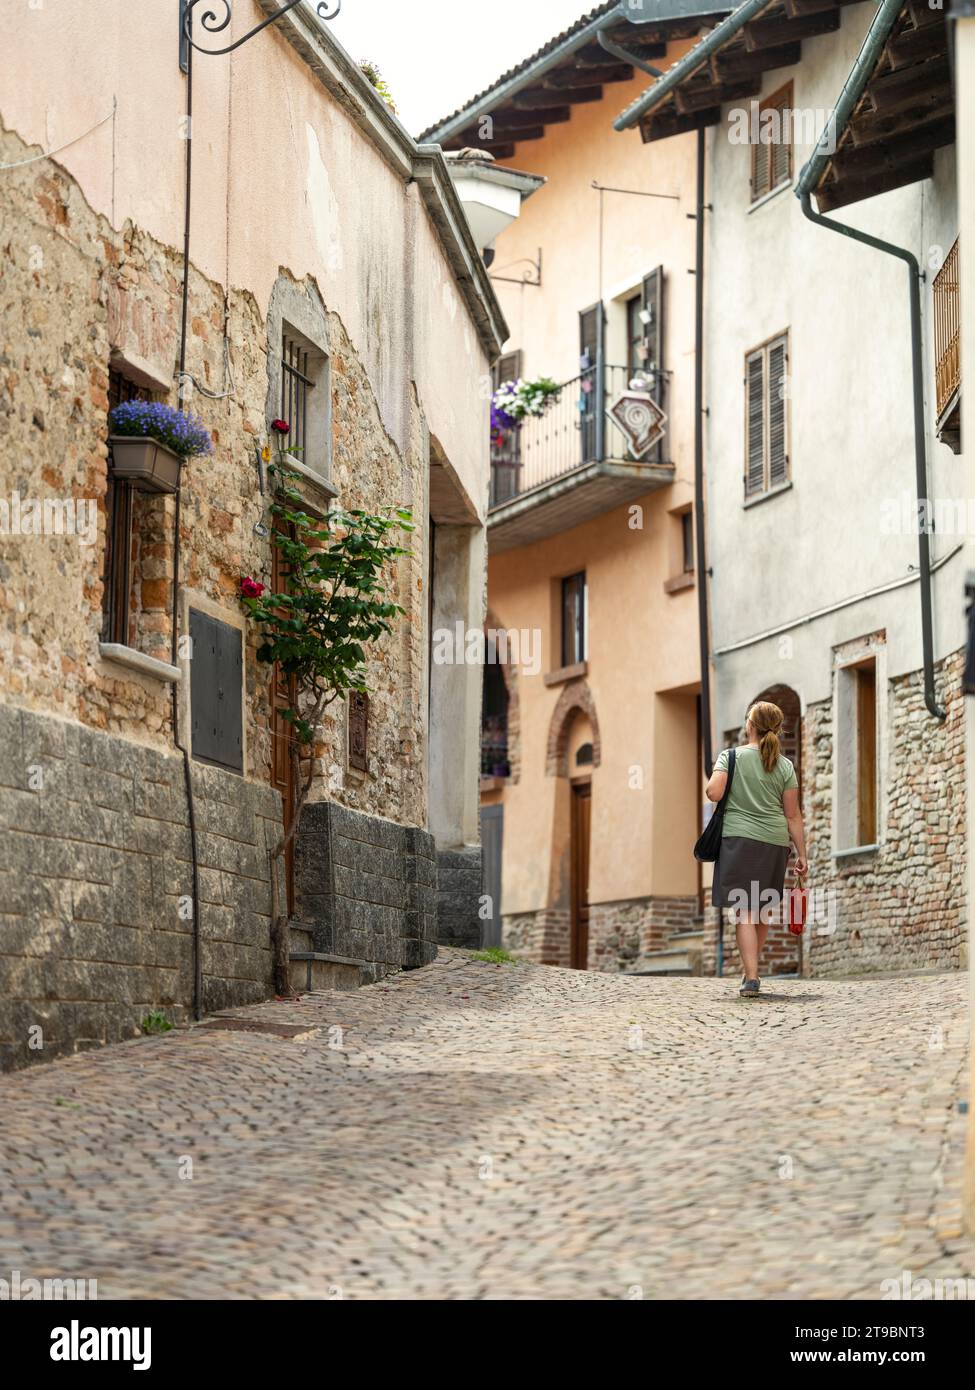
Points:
(250, 588)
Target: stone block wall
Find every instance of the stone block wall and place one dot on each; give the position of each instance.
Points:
(367, 887)
(459, 888)
(96, 918)
(902, 907)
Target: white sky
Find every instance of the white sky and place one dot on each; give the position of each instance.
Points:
(435, 54)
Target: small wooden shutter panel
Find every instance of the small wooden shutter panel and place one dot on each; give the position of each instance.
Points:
(755, 423)
(778, 404)
(359, 730)
(653, 302)
(507, 368)
(216, 687)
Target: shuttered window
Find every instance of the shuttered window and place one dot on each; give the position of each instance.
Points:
(767, 416)
(216, 692)
(772, 151)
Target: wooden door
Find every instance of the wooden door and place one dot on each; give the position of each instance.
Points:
(282, 763)
(581, 817)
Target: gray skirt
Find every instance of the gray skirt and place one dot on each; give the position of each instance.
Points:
(749, 867)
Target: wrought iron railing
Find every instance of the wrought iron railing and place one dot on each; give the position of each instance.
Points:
(494, 746)
(947, 334)
(573, 431)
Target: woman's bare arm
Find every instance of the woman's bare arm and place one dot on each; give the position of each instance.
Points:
(714, 790)
(793, 816)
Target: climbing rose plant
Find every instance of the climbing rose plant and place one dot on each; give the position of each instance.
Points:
(336, 603)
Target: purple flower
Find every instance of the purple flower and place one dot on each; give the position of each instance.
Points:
(184, 434)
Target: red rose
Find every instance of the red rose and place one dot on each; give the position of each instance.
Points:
(280, 427)
(250, 588)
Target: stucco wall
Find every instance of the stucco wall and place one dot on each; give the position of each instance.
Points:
(852, 447)
(282, 177)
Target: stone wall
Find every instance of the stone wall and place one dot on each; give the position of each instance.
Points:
(459, 888)
(367, 887)
(902, 907)
(76, 293)
(619, 933)
(96, 917)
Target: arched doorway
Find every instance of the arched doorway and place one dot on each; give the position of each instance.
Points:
(574, 751)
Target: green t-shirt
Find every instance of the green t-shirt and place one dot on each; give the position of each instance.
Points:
(754, 808)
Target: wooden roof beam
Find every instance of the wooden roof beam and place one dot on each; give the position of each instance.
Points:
(504, 135)
(867, 160)
(917, 86)
(731, 67)
(769, 33)
(798, 9)
(864, 130)
(590, 74)
(688, 99)
(546, 115)
(538, 98)
(661, 125)
(923, 15)
(841, 192)
(916, 46)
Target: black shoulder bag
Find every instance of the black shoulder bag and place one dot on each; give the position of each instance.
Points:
(708, 846)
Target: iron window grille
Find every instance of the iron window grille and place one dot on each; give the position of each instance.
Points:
(296, 383)
(117, 573)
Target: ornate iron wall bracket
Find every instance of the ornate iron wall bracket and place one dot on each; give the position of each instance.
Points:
(213, 24)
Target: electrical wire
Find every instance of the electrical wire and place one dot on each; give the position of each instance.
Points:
(49, 154)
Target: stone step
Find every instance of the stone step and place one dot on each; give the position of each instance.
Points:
(670, 962)
(314, 971)
(692, 937)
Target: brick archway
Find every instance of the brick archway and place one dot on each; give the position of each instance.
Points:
(576, 698)
(791, 738)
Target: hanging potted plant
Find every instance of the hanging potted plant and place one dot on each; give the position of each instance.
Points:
(516, 401)
(151, 442)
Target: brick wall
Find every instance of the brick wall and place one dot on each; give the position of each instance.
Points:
(619, 933)
(96, 922)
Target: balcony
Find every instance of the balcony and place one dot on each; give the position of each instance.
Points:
(947, 351)
(569, 465)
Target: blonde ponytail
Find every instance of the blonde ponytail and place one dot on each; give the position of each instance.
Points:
(767, 720)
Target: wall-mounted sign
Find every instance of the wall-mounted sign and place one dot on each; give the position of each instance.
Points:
(639, 417)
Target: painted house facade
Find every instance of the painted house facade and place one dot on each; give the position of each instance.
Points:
(825, 596)
(331, 281)
(591, 765)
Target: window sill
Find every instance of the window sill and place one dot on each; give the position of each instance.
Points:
(761, 497)
(767, 197)
(140, 663)
(679, 582)
(856, 850)
(493, 784)
(311, 475)
(567, 673)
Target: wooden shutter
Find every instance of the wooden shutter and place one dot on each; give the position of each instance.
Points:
(591, 328)
(778, 405)
(755, 423)
(216, 688)
(359, 730)
(507, 368)
(772, 160)
(653, 303)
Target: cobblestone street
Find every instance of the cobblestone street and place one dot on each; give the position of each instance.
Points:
(476, 1131)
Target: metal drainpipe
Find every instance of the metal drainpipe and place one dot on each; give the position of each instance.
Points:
(916, 275)
(183, 748)
(700, 538)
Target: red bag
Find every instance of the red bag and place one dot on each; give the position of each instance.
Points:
(797, 908)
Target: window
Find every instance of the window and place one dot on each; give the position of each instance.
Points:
(592, 386)
(772, 153)
(216, 692)
(121, 505)
(636, 349)
(305, 401)
(766, 416)
(865, 678)
(858, 742)
(687, 541)
(574, 626)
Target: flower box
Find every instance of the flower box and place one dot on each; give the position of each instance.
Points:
(146, 463)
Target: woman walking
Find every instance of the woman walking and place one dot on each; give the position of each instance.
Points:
(761, 818)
